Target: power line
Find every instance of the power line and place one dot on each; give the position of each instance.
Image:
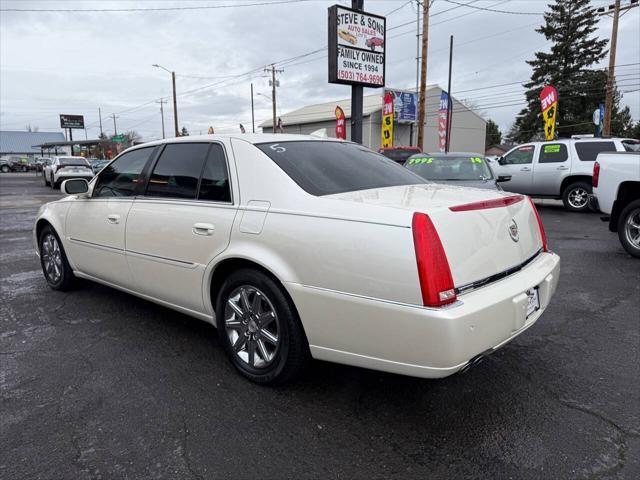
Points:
(152, 9)
(488, 9)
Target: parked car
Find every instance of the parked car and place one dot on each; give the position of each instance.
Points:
(298, 247)
(15, 163)
(98, 164)
(64, 168)
(40, 162)
(399, 154)
(559, 169)
(616, 193)
(455, 168)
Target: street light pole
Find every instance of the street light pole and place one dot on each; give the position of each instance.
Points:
(175, 103)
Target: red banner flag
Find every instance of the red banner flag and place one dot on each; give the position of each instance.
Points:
(341, 129)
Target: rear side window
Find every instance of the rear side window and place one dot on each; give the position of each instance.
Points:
(214, 185)
(588, 151)
(178, 170)
(519, 156)
(326, 168)
(120, 178)
(554, 153)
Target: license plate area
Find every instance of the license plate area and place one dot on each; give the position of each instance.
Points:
(533, 301)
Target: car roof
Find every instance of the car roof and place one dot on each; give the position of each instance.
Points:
(254, 138)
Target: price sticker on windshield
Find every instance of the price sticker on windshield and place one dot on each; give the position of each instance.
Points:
(420, 160)
(475, 159)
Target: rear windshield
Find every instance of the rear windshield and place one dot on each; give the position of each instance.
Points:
(68, 162)
(399, 156)
(434, 167)
(325, 168)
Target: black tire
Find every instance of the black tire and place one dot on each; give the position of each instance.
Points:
(292, 352)
(54, 185)
(66, 279)
(5, 169)
(44, 179)
(576, 197)
(630, 212)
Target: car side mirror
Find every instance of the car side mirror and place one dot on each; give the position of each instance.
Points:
(75, 186)
(501, 161)
(503, 178)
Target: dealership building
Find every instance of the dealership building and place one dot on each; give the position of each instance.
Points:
(467, 127)
(27, 144)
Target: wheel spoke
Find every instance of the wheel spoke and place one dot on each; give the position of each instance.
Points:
(238, 311)
(263, 351)
(245, 300)
(269, 337)
(255, 306)
(240, 343)
(233, 324)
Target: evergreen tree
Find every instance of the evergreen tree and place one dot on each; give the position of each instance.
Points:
(493, 134)
(184, 132)
(569, 25)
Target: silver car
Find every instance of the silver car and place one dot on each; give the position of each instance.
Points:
(560, 169)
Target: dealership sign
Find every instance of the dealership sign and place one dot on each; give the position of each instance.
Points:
(356, 47)
(405, 105)
(71, 121)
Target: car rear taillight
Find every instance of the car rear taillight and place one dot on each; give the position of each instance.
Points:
(434, 273)
(543, 236)
(596, 175)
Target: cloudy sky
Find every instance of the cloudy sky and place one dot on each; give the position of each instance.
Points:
(75, 62)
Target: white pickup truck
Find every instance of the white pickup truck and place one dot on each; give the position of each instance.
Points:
(616, 193)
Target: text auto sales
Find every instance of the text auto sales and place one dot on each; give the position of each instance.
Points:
(355, 20)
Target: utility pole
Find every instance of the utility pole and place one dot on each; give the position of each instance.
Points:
(423, 72)
(274, 83)
(414, 127)
(100, 118)
(253, 119)
(608, 105)
(449, 99)
(162, 101)
(356, 94)
(115, 128)
(175, 104)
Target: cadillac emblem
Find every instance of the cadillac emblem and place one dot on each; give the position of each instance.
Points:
(513, 231)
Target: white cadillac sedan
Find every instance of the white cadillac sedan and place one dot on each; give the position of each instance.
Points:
(296, 247)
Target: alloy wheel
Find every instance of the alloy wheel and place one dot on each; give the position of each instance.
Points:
(632, 228)
(578, 197)
(252, 326)
(52, 258)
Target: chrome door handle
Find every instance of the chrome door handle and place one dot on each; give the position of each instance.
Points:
(562, 168)
(203, 229)
(113, 218)
(525, 169)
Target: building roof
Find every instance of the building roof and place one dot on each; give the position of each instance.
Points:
(326, 111)
(24, 142)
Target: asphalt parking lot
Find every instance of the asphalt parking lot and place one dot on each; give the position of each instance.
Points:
(99, 384)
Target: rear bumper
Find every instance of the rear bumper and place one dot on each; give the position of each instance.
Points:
(62, 177)
(419, 341)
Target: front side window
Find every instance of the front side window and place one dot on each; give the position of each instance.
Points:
(554, 153)
(519, 156)
(588, 151)
(120, 178)
(327, 167)
(214, 185)
(178, 170)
